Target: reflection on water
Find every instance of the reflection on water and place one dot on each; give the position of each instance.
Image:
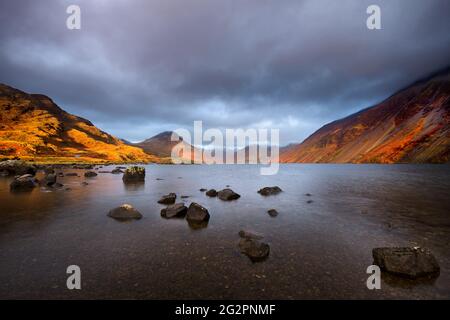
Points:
(330, 217)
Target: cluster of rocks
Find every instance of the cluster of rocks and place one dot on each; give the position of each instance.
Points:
(196, 215)
(17, 168)
(225, 194)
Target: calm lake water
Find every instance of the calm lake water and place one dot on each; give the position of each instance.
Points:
(319, 249)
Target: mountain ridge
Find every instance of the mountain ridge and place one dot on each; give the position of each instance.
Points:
(410, 126)
(33, 126)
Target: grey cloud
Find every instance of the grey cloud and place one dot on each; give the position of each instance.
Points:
(140, 67)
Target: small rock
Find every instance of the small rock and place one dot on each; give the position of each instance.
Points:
(268, 191)
(211, 193)
(272, 212)
(309, 201)
(174, 210)
(308, 194)
(117, 171)
(168, 199)
(409, 262)
(184, 197)
(90, 174)
(228, 195)
(254, 249)
(84, 183)
(202, 190)
(124, 212)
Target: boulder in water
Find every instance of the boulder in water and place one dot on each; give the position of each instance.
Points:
(168, 199)
(23, 183)
(228, 195)
(211, 193)
(268, 191)
(90, 174)
(197, 213)
(134, 174)
(174, 210)
(408, 262)
(254, 249)
(124, 212)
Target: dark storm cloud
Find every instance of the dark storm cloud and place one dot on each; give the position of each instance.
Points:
(139, 67)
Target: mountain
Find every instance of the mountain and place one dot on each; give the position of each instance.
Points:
(411, 126)
(161, 145)
(32, 126)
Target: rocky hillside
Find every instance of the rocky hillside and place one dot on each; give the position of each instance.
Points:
(412, 126)
(32, 126)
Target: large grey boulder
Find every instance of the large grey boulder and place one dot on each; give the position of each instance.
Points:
(409, 262)
(174, 211)
(228, 195)
(134, 174)
(124, 212)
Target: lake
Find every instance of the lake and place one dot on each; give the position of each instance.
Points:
(320, 245)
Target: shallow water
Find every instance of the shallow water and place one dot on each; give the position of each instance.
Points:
(318, 250)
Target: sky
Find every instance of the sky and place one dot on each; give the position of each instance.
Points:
(140, 67)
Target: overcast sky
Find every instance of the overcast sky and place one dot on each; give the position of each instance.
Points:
(139, 67)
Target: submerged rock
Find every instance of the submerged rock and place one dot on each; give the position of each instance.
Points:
(272, 212)
(409, 262)
(90, 174)
(197, 213)
(124, 212)
(254, 249)
(228, 195)
(72, 174)
(116, 171)
(168, 199)
(23, 183)
(134, 174)
(174, 210)
(211, 193)
(268, 191)
(17, 167)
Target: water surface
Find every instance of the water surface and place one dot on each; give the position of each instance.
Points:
(319, 249)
